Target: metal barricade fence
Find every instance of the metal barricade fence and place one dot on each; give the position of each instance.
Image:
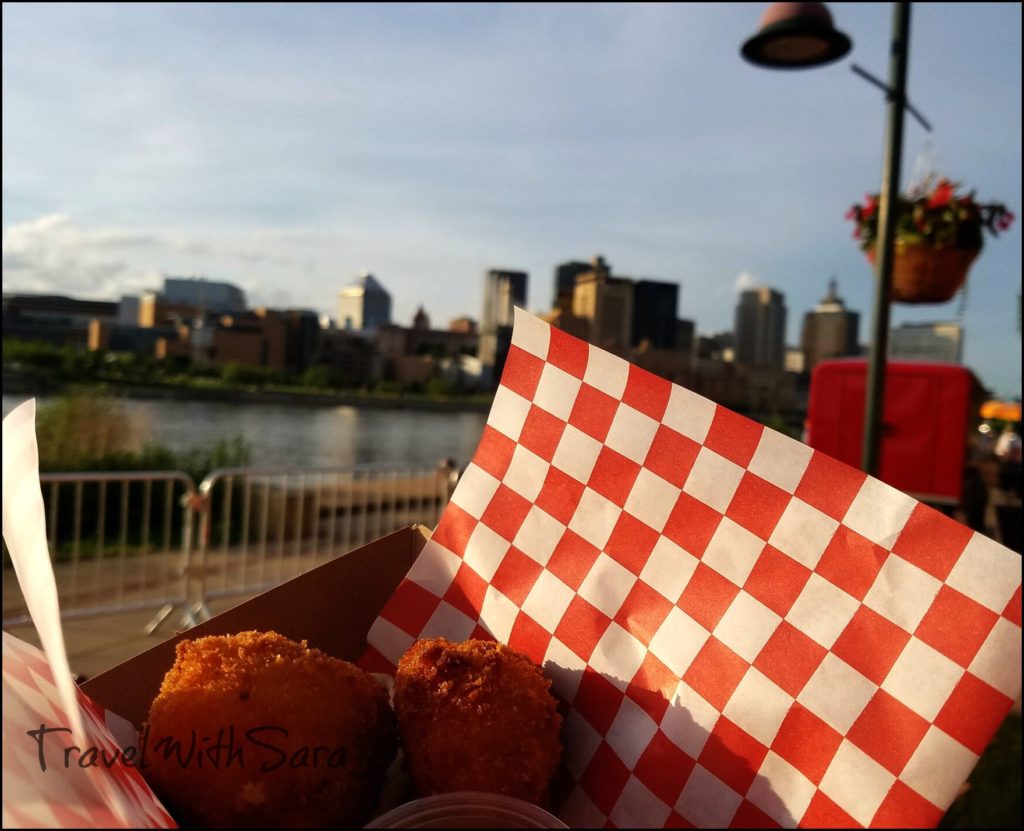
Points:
(131, 541)
(118, 541)
(260, 527)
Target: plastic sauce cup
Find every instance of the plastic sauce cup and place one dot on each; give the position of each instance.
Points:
(467, 809)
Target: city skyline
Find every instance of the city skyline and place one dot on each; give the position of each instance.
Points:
(291, 148)
(183, 289)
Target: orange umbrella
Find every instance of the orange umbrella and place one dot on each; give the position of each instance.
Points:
(1001, 410)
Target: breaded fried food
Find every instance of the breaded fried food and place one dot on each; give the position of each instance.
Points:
(269, 734)
(477, 716)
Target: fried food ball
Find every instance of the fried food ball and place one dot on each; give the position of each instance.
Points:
(477, 716)
(258, 731)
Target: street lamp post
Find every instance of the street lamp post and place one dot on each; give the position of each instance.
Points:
(875, 392)
(800, 35)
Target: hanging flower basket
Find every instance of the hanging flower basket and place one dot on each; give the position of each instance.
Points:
(922, 274)
(938, 236)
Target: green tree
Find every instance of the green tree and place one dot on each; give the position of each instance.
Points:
(237, 373)
(318, 376)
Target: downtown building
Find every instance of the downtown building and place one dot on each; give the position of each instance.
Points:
(210, 295)
(182, 299)
(208, 322)
(829, 331)
(279, 339)
(604, 305)
(941, 341)
(503, 291)
(59, 320)
(565, 283)
(757, 381)
(634, 319)
(761, 329)
(655, 305)
(364, 305)
(619, 313)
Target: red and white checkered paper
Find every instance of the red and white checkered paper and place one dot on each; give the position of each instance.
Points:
(63, 796)
(71, 792)
(747, 632)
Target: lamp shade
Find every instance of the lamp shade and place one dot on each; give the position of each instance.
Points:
(795, 36)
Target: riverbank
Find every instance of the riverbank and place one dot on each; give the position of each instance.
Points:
(18, 383)
(307, 432)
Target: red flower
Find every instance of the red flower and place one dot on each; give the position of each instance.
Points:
(1005, 221)
(943, 193)
(869, 206)
(852, 213)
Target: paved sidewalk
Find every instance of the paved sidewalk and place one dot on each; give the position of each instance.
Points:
(96, 644)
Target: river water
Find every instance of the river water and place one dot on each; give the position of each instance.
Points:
(305, 436)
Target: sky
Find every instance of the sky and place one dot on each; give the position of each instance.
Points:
(287, 148)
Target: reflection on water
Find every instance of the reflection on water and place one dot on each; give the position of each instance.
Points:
(306, 436)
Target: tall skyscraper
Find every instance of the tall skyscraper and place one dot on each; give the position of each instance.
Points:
(605, 303)
(565, 283)
(830, 331)
(761, 328)
(503, 291)
(940, 341)
(685, 336)
(654, 314)
(364, 305)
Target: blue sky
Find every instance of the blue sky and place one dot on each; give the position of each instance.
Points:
(287, 148)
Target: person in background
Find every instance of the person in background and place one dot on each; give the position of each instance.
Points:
(983, 443)
(1008, 446)
(1008, 451)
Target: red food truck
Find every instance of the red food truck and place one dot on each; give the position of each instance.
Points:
(929, 411)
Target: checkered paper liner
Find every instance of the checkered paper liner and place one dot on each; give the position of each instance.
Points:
(72, 791)
(746, 632)
(61, 797)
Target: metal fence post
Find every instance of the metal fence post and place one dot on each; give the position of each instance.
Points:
(182, 577)
(185, 570)
(196, 610)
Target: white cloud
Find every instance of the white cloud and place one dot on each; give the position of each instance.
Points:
(55, 254)
(294, 145)
(745, 280)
